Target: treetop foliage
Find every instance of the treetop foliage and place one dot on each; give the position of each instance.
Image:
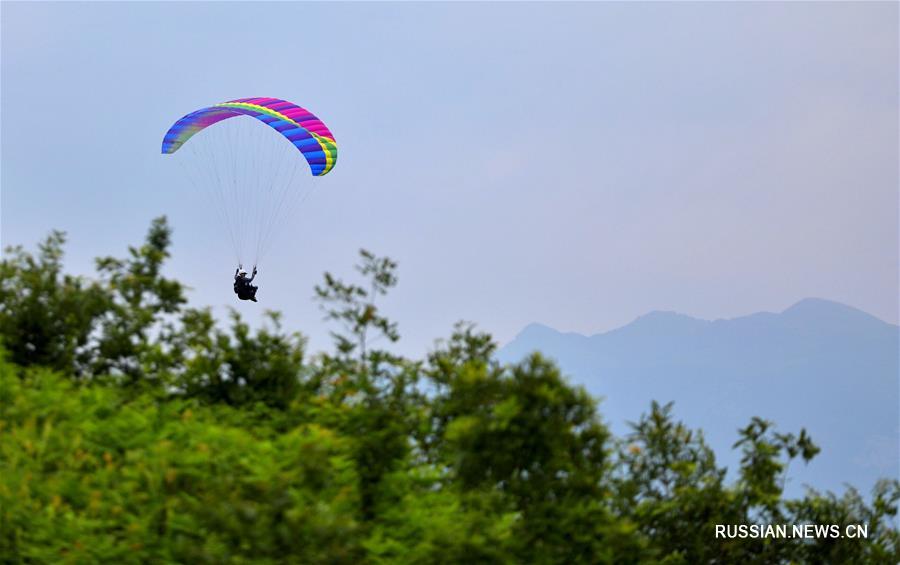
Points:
(137, 428)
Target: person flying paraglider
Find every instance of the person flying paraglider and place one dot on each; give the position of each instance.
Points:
(252, 181)
(242, 286)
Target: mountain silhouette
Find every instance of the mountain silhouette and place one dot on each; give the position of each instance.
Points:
(821, 365)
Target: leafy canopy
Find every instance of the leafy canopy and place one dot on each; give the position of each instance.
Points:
(135, 428)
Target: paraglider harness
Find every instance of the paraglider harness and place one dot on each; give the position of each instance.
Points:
(242, 286)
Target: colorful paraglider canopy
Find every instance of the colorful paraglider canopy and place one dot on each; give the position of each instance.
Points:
(299, 126)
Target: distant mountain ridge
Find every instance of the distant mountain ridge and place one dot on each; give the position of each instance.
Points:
(819, 364)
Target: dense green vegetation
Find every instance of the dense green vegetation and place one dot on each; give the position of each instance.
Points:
(136, 429)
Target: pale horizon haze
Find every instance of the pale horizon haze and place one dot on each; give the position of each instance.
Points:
(572, 164)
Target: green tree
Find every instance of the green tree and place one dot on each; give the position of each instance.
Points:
(670, 486)
(354, 306)
(525, 432)
(93, 474)
(240, 366)
(48, 318)
(882, 544)
(377, 388)
(143, 303)
(117, 325)
(240, 449)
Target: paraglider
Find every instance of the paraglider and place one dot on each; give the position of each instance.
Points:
(248, 171)
(242, 286)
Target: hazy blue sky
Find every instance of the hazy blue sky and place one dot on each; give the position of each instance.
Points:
(572, 164)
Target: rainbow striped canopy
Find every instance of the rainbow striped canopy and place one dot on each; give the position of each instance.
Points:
(307, 132)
